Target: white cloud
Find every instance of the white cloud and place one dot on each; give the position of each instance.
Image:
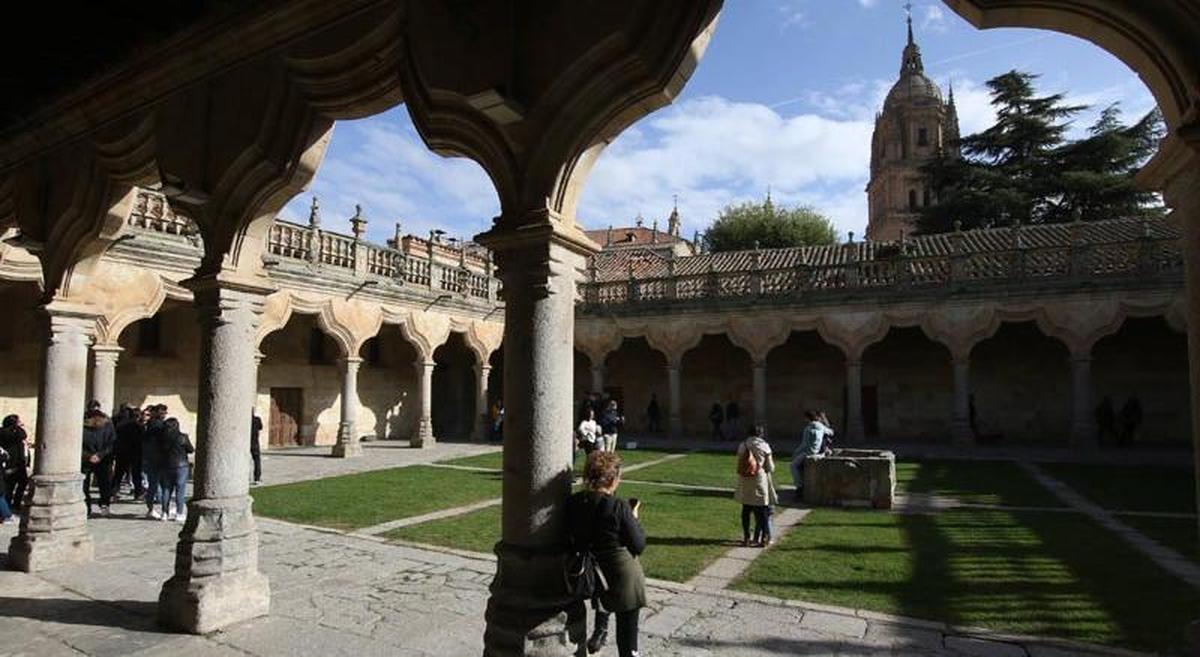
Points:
(792, 14)
(933, 19)
(712, 151)
(866, 3)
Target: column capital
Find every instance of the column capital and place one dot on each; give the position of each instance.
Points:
(107, 350)
(351, 361)
(424, 362)
(759, 364)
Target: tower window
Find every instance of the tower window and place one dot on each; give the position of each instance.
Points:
(912, 200)
(922, 137)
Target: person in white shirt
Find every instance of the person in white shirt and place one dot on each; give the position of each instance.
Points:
(588, 433)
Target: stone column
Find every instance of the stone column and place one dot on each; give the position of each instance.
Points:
(1182, 194)
(348, 444)
(1083, 430)
(854, 421)
(529, 612)
(54, 529)
(598, 378)
(960, 423)
(216, 579)
(423, 437)
(482, 372)
(675, 397)
(104, 375)
(760, 392)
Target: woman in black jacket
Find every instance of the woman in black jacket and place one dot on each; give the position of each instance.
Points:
(173, 473)
(13, 440)
(609, 525)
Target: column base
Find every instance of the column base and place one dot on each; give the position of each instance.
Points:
(348, 445)
(424, 436)
(216, 580)
(528, 613)
(54, 529)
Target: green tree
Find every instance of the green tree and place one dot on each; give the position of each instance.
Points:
(769, 226)
(1023, 168)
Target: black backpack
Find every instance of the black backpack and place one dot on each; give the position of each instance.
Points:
(583, 578)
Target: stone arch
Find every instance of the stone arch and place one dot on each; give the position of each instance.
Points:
(907, 387)
(453, 403)
(154, 345)
(633, 372)
(1145, 358)
(804, 372)
(1021, 385)
(716, 370)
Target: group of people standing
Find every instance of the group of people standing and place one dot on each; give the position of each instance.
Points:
(600, 422)
(143, 446)
(14, 466)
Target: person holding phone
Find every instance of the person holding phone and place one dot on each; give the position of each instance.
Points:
(609, 525)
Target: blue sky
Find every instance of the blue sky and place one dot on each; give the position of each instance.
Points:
(785, 98)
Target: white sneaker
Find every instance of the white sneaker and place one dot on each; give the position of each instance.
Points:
(153, 514)
(170, 515)
(180, 517)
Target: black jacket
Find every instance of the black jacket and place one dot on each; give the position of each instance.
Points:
(98, 440)
(606, 524)
(610, 422)
(12, 440)
(255, 429)
(174, 446)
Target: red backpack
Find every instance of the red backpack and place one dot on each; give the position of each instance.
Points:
(747, 464)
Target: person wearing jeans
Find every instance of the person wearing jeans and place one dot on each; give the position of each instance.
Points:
(173, 474)
(756, 488)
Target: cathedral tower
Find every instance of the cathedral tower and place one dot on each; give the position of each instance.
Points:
(915, 125)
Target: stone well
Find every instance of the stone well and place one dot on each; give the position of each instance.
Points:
(851, 477)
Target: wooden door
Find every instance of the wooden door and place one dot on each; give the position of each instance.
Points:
(287, 407)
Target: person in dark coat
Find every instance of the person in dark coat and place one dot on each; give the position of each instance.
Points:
(13, 440)
(653, 415)
(174, 447)
(716, 415)
(1131, 419)
(128, 427)
(609, 527)
(255, 447)
(5, 509)
(98, 442)
(152, 437)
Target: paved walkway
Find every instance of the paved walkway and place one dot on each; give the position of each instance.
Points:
(720, 573)
(344, 594)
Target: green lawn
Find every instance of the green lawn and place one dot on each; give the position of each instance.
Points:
(1036, 573)
(1129, 487)
(495, 460)
(682, 537)
(1179, 534)
(974, 482)
(702, 469)
(370, 498)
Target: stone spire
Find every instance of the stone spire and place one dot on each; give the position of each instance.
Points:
(673, 223)
(358, 223)
(911, 60)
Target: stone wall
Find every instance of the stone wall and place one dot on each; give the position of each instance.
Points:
(804, 373)
(715, 371)
(636, 371)
(1021, 382)
(911, 377)
(1147, 359)
(20, 352)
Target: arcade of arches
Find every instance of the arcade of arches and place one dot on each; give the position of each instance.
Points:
(228, 112)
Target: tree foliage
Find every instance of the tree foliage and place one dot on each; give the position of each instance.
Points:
(1023, 169)
(769, 226)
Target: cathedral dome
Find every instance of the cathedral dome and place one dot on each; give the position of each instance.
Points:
(913, 87)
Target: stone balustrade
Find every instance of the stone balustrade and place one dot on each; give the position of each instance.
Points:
(1118, 252)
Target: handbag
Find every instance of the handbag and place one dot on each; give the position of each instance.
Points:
(582, 576)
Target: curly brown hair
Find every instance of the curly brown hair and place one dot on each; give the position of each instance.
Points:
(601, 470)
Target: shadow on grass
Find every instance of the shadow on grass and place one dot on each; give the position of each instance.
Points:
(688, 540)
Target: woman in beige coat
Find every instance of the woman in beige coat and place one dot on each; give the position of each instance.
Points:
(755, 488)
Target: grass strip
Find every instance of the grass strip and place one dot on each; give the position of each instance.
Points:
(370, 498)
(495, 460)
(1032, 573)
(1130, 487)
(1179, 534)
(682, 538)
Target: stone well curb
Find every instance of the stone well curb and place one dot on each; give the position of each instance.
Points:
(948, 631)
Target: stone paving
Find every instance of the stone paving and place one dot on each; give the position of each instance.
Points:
(342, 594)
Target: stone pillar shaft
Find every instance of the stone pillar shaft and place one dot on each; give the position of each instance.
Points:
(423, 437)
(482, 372)
(598, 378)
(1083, 431)
(855, 433)
(675, 397)
(960, 426)
(347, 443)
(216, 579)
(529, 611)
(104, 376)
(54, 528)
(760, 392)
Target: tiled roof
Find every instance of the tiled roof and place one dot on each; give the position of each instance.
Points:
(631, 236)
(615, 264)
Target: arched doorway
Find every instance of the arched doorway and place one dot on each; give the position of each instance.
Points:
(634, 372)
(453, 389)
(716, 371)
(804, 373)
(1021, 387)
(1145, 360)
(907, 388)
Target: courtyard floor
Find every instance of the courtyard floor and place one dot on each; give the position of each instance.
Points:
(361, 585)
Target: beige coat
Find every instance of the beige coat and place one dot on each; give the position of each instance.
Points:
(758, 490)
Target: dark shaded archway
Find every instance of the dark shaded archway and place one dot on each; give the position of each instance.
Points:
(804, 373)
(1146, 360)
(715, 371)
(1021, 387)
(453, 405)
(633, 372)
(908, 389)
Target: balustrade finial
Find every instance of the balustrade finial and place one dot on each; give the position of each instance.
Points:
(314, 213)
(850, 237)
(958, 225)
(398, 237)
(358, 225)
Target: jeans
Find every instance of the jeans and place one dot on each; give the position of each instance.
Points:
(126, 464)
(101, 473)
(762, 522)
(173, 480)
(798, 474)
(149, 480)
(5, 511)
(15, 494)
(627, 630)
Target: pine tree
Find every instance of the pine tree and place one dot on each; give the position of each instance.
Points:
(1022, 169)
